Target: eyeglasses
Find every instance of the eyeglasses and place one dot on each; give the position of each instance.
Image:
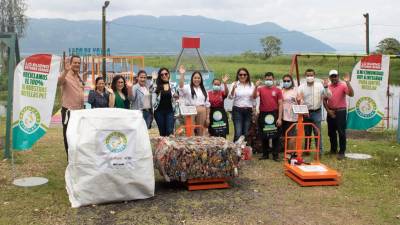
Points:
(163, 74)
(242, 74)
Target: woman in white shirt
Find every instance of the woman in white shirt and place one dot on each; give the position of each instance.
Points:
(195, 94)
(243, 103)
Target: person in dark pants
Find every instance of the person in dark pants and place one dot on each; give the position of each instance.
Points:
(336, 107)
(313, 93)
(72, 86)
(219, 125)
(270, 116)
(243, 103)
(140, 97)
(163, 102)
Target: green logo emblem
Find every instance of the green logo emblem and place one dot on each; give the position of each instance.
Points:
(217, 116)
(269, 119)
(366, 107)
(116, 142)
(29, 119)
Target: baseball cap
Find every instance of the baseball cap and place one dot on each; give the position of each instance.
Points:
(333, 72)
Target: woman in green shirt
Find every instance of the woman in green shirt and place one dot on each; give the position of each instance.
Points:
(119, 93)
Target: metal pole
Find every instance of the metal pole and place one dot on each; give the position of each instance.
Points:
(366, 16)
(398, 125)
(103, 29)
(12, 61)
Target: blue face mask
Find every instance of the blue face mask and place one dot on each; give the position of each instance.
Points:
(216, 88)
(287, 84)
(268, 83)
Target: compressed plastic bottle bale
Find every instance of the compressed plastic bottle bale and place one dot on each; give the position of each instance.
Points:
(182, 158)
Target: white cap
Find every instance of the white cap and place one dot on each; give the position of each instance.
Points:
(333, 72)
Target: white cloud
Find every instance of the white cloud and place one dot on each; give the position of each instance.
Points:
(307, 16)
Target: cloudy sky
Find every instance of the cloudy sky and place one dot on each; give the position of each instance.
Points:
(339, 23)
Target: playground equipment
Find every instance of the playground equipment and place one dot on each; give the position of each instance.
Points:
(312, 173)
(190, 56)
(126, 66)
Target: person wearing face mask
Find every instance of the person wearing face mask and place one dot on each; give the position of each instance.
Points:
(336, 106)
(195, 95)
(270, 116)
(290, 97)
(140, 97)
(313, 93)
(218, 126)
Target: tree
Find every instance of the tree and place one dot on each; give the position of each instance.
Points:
(388, 46)
(271, 46)
(12, 18)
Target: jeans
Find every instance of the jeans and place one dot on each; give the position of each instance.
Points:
(165, 122)
(241, 121)
(314, 117)
(148, 117)
(337, 126)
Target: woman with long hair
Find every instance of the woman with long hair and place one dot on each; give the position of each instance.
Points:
(243, 103)
(99, 97)
(140, 97)
(195, 94)
(119, 93)
(163, 102)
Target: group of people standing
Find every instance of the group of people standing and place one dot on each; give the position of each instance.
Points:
(161, 97)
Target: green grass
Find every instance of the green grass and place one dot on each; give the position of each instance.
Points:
(369, 193)
(279, 65)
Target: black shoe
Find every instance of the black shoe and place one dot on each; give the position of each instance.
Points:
(276, 159)
(333, 152)
(263, 158)
(340, 156)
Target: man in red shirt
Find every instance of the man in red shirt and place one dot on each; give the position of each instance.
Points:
(336, 108)
(270, 116)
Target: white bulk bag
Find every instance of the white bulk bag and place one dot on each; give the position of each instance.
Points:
(110, 157)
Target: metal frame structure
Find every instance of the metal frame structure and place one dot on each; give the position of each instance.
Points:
(11, 41)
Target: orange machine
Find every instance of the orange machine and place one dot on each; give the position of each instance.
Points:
(199, 183)
(313, 173)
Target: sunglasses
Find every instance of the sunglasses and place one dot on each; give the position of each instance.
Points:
(242, 74)
(164, 74)
(286, 81)
(333, 75)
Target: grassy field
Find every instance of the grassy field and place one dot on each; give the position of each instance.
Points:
(279, 65)
(369, 192)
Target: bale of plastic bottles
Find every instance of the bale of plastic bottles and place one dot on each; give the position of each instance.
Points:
(182, 158)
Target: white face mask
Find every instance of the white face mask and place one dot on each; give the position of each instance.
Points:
(310, 79)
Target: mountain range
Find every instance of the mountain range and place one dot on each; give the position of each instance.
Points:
(148, 34)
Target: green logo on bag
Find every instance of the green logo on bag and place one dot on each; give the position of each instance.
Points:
(29, 119)
(116, 142)
(269, 119)
(366, 107)
(217, 115)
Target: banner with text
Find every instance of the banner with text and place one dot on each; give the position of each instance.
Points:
(35, 85)
(369, 81)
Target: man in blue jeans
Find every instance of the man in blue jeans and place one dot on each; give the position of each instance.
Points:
(313, 94)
